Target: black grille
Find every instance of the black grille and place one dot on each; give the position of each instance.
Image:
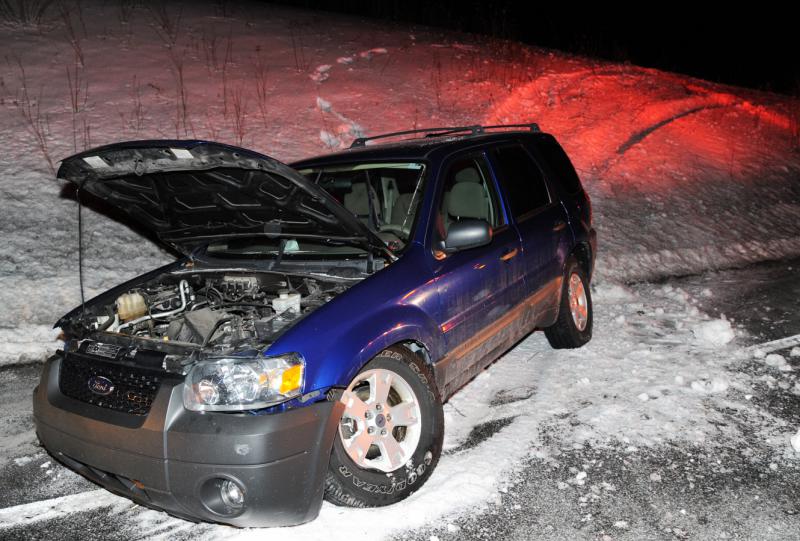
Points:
(133, 391)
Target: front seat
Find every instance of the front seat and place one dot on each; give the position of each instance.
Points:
(467, 198)
(401, 208)
(357, 202)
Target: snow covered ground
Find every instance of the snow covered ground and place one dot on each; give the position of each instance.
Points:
(684, 175)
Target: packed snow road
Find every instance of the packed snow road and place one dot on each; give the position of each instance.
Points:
(669, 424)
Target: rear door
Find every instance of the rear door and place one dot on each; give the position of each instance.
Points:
(542, 224)
(479, 288)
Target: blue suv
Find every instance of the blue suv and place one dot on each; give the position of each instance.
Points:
(321, 313)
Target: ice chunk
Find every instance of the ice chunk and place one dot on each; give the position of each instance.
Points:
(795, 440)
(23, 460)
(716, 385)
(323, 105)
(714, 333)
(778, 361)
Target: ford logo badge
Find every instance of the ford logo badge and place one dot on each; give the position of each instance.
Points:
(100, 385)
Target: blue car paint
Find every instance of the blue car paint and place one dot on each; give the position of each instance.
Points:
(437, 304)
(397, 304)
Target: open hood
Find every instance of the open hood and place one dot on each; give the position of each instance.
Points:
(191, 192)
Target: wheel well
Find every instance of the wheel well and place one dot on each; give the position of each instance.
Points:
(583, 253)
(417, 348)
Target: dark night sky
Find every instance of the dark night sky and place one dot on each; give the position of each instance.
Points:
(755, 46)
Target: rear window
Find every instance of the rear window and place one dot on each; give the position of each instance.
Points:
(522, 180)
(560, 164)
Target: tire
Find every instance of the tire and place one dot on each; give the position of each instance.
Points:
(371, 469)
(572, 329)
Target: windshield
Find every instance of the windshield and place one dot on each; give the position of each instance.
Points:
(385, 196)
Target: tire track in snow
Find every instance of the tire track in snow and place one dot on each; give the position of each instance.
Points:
(640, 135)
(30, 513)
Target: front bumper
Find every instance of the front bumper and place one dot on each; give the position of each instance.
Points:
(173, 459)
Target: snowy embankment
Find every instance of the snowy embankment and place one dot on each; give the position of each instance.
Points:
(685, 175)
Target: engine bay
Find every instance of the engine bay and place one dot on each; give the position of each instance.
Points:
(218, 311)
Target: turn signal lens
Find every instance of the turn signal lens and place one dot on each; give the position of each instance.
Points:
(292, 379)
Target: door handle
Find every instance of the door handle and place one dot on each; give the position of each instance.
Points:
(559, 226)
(509, 254)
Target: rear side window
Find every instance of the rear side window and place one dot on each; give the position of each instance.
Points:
(522, 179)
(558, 161)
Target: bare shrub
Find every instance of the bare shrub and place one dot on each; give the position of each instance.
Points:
(224, 8)
(126, 9)
(167, 25)
(181, 101)
(211, 127)
(436, 80)
(210, 45)
(73, 36)
(24, 12)
(298, 49)
(87, 135)
(226, 61)
(138, 111)
(262, 90)
(37, 122)
(508, 63)
(78, 97)
(134, 120)
(239, 114)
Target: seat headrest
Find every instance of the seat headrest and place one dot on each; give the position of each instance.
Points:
(468, 174)
(356, 201)
(468, 200)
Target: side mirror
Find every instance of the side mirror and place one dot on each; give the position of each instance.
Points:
(467, 234)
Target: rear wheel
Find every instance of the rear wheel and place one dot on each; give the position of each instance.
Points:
(573, 328)
(390, 435)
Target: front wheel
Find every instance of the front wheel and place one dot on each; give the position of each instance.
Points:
(390, 435)
(573, 328)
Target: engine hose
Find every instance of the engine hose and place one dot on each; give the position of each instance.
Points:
(107, 323)
(183, 286)
(216, 327)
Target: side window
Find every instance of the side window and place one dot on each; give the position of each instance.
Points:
(468, 193)
(558, 161)
(521, 178)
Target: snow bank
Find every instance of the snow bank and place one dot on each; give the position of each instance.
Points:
(28, 342)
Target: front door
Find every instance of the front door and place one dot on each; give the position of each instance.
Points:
(479, 287)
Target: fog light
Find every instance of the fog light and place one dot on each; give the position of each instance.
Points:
(231, 494)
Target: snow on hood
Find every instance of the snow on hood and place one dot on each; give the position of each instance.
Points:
(190, 192)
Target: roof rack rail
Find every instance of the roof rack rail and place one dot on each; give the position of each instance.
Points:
(439, 132)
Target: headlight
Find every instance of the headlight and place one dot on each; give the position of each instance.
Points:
(234, 384)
